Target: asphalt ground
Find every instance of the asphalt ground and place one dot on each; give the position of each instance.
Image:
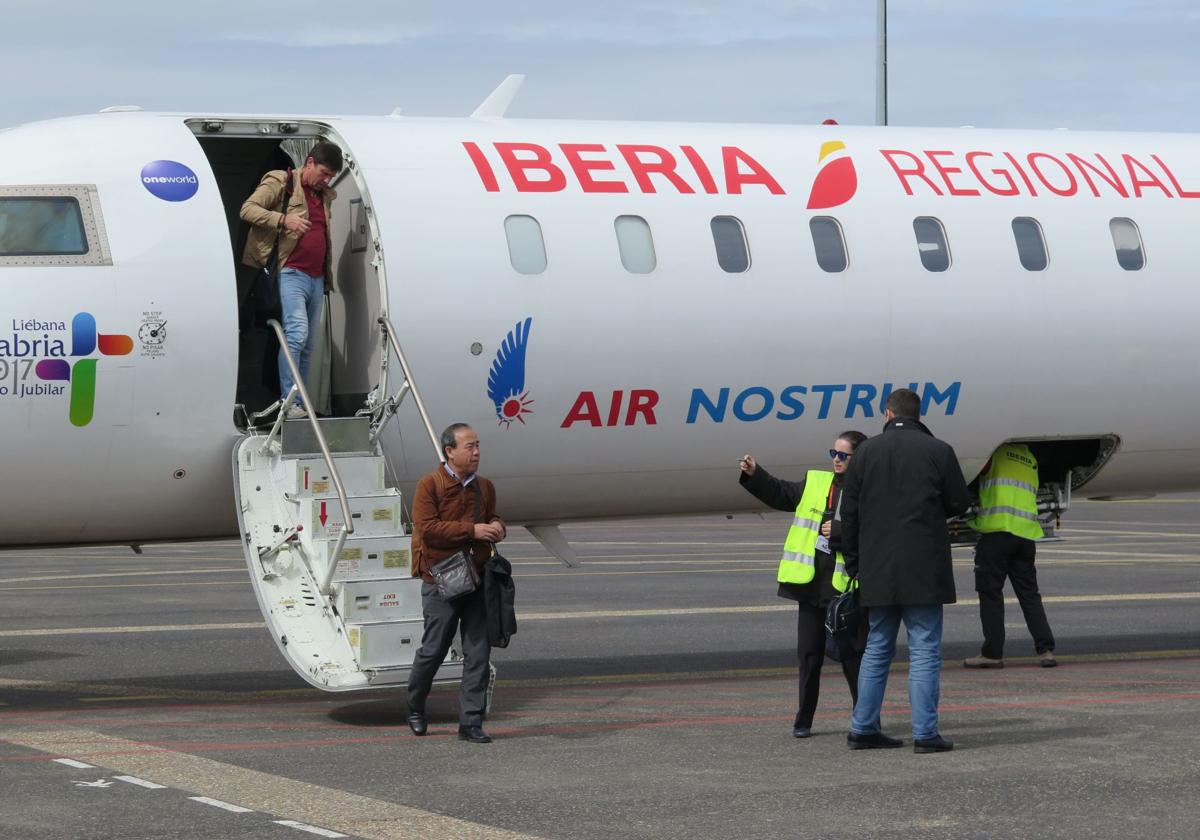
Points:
(648, 694)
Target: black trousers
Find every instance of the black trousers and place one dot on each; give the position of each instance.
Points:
(810, 650)
(998, 556)
(442, 619)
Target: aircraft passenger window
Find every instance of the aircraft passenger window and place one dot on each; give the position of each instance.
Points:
(51, 225)
(1031, 245)
(828, 243)
(931, 243)
(733, 255)
(1128, 242)
(526, 249)
(636, 244)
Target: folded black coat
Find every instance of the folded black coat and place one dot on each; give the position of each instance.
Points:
(499, 597)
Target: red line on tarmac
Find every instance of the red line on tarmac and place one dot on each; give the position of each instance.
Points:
(606, 726)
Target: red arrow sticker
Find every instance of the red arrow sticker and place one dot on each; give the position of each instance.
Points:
(323, 516)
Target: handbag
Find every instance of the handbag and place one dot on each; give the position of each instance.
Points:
(456, 575)
(267, 304)
(843, 623)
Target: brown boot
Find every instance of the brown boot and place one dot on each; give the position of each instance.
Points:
(983, 662)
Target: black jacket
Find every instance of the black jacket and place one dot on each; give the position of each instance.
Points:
(901, 487)
(785, 495)
(499, 598)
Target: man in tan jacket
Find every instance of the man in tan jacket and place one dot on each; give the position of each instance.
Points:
(305, 252)
(454, 509)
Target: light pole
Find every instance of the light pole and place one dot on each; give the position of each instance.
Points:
(881, 63)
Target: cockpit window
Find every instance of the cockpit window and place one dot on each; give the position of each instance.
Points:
(52, 225)
(39, 227)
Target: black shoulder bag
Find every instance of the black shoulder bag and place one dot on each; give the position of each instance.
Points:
(844, 620)
(266, 288)
(456, 575)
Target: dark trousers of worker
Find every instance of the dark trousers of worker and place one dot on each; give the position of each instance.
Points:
(442, 619)
(810, 650)
(998, 556)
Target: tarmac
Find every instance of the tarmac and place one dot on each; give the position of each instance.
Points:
(649, 693)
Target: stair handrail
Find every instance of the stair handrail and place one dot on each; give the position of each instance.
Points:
(390, 332)
(306, 404)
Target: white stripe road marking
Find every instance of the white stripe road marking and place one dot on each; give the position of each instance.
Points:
(311, 829)
(79, 765)
(345, 813)
(134, 780)
(237, 809)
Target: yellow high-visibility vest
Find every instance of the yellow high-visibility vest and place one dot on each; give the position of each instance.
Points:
(1008, 494)
(799, 561)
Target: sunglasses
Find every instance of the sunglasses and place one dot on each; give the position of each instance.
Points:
(839, 456)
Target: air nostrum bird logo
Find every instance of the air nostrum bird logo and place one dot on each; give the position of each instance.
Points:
(506, 381)
(836, 180)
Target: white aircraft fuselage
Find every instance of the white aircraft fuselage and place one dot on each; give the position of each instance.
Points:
(637, 391)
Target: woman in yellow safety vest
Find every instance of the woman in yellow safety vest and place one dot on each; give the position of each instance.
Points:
(811, 570)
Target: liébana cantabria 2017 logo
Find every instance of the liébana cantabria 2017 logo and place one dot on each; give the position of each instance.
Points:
(34, 347)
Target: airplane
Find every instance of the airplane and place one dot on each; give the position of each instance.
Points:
(620, 309)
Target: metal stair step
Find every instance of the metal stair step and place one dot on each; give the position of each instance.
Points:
(361, 475)
(370, 558)
(342, 434)
(376, 515)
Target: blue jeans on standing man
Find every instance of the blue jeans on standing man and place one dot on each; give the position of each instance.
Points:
(923, 626)
(301, 297)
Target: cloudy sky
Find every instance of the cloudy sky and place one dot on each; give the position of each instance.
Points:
(1106, 64)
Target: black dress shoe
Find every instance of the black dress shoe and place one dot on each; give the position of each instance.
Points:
(931, 745)
(874, 741)
(474, 734)
(417, 723)
(801, 732)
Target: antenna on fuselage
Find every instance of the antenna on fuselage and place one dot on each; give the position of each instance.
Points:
(495, 106)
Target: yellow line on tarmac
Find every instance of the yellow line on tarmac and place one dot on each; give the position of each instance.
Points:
(1067, 533)
(241, 582)
(328, 808)
(573, 615)
(144, 628)
(768, 608)
(124, 574)
(578, 573)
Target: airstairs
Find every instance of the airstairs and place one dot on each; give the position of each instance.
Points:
(328, 541)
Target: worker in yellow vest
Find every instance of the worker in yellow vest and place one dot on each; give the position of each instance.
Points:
(1008, 525)
(811, 570)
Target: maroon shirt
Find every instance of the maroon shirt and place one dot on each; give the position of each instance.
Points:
(309, 254)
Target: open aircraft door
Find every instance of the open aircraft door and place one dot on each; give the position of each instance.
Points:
(326, 534)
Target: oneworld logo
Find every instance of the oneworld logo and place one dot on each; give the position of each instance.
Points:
(169, 180)
(836, 180)
(506, 380)
(81, 374)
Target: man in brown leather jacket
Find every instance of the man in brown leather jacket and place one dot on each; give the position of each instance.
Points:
(454, 509)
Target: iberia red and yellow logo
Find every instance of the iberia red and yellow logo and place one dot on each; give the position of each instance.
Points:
(836, 180)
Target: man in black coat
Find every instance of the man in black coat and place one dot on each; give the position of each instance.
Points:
(901, 487)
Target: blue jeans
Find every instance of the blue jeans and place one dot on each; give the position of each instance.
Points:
(923, 626)
(301, 297)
